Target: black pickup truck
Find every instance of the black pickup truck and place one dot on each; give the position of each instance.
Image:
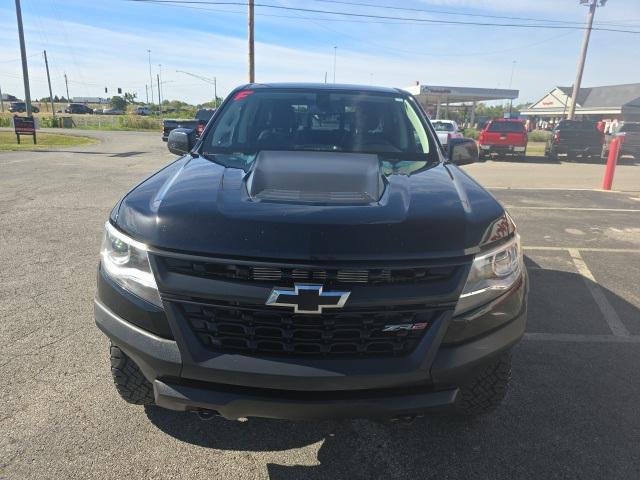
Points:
(573, 138)
(313, 255)
(202, 117)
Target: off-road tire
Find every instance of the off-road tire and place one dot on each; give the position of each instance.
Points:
(131, 384)
(484, 393)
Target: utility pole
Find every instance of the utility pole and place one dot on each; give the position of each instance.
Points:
(150, 76)
(66, 84)
(1, 101)
(23, 55)
(159, 100)
(146, 91)
(513, 67)
(335, 54)
(46, 64)
(583, 54)
(215, 91)
(252, 66)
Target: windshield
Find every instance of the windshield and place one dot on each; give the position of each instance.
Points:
(506, 127)
(443, 126)
(317, 120)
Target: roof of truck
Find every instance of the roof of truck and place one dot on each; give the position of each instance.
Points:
(326, 86)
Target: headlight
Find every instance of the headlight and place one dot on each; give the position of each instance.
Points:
(126, 262)
(492, 273)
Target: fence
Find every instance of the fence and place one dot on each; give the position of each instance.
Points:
(93, 122)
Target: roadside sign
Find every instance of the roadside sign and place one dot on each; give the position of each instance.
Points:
(24, 126)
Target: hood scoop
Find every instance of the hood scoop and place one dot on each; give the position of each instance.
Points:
(316, 177)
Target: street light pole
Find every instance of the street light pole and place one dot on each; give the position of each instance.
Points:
(161, 86)
(335, 54)
(583, 55)
(211, 81)
(23, 56)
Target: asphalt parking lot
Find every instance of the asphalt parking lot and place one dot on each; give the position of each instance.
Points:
(572, 412)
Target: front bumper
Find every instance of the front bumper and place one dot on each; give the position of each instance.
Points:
(288, 391)
(576, 150)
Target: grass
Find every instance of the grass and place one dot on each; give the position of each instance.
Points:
(535, 149)
(8, 141)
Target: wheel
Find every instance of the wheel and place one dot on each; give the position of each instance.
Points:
(552, 156)
(484, 393)
(131, 384)
(483, 157)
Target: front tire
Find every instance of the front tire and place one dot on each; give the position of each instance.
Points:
(484, 393)
(130, 383)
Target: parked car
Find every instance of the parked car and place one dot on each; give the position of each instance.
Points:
(629, 134)
(446, 129)
(202, 117)
(142, 111)
(314, 255)
(79, 108)
(21, 107)
(111, 111)
(504, 136)
(573, 138)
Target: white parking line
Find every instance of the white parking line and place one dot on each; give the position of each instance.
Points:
(599, 190)
(611, 317)
(583, 249)
(579, 338)
(579, 209)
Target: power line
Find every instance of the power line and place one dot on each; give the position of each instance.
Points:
(448, 12)
(388, 17)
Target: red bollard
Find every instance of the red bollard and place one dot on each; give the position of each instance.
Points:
(614, 151)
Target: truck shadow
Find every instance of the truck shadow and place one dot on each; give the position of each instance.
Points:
(545, 428)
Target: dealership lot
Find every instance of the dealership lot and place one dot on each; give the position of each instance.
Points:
(572, 411)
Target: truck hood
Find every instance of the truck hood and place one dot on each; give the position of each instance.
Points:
(195, 205)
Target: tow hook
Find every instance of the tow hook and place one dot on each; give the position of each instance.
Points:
(205, 414)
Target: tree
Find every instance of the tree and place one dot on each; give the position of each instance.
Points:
(130, 97)
(118, 103)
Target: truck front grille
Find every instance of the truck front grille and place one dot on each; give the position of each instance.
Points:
(288, 275)
(261, 330)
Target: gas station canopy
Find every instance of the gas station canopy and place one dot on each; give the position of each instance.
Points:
(434, 94)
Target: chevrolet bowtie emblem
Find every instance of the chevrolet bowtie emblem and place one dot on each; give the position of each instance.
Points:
(305, 298)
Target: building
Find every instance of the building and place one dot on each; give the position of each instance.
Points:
(90, 100)
(437, 99)
(609, 102)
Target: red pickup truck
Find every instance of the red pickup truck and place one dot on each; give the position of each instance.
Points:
(503, 136)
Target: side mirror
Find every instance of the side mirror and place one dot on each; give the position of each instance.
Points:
(463, 151)
(181, 140)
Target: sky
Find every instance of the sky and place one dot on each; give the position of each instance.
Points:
(104, 43)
